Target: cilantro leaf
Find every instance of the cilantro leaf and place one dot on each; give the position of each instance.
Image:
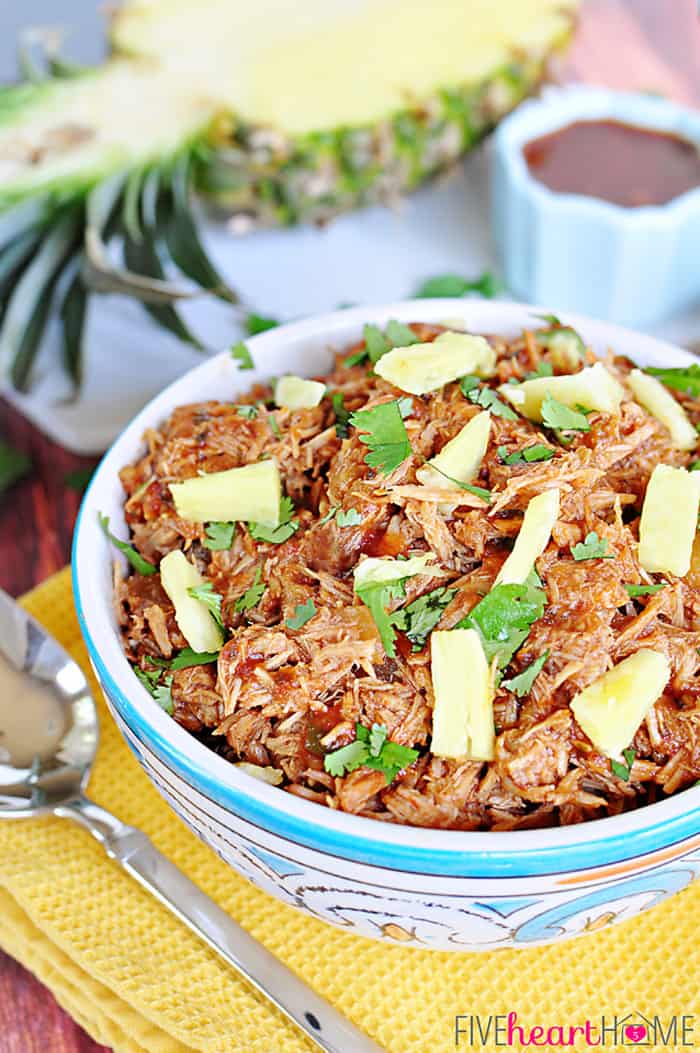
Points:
(252, 595)
(79, 479)
(377, 737)
(419, 618)
(376, 344)
(342, 416)
(392, 759)
(140, 565)
(258, 323)
(488, 399)
(384, 432)
(219, 536)
(685, 379)
(372, 749)
(346, 759)
(478, 491)
(552, 320)
(561, 418)
(274, 426)
(211, 600)
(241, 355)
(303, 613)
(148, 677)
(522, 683)
(544, 369)
(503, 619)
(13, 465)
(694, 466)
(348, 518)
(469, 383)
(328, 516)
(400, 335)
(284, 529)
(163, 695)
(377, 597)
(538, 452)
(623, 770)
(593, 547)
(249, 412)
(449, 285)
(643, 590)
(186, 658)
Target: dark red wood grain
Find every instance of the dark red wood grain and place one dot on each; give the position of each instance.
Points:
(661, 53)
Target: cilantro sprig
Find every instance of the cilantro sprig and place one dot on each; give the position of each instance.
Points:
(303, 613)
(342, 415)
(287, 525)
(623, 771)
(186, 658)
(377, 343)
(252, 595)
(161, 692)
(242, 356)
(503, 619)
(521, 684)
(348, 517)
(372, 748)
(486, 398)
(418, 619)
(538, 452)
(382, 429)
(453, 285)
(377, 597)
(643, 590)
(593, 547)
(559, 417)
(259, 323)
(140, 565)
(211, 600)
(684, 378)
(219, 536)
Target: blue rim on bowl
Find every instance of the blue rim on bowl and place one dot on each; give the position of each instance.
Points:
(410, 849)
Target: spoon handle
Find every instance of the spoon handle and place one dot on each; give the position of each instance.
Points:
(327, 1028)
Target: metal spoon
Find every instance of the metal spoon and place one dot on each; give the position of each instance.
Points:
(48, 740)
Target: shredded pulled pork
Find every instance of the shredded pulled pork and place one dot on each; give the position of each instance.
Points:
(285, 697)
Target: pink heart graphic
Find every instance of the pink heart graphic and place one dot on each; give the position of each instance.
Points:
(635, 1032)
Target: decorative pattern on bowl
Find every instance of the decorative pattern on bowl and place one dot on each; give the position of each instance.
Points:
(632, 266)
(430, 888)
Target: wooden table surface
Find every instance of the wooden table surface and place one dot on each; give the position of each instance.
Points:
(647, 45)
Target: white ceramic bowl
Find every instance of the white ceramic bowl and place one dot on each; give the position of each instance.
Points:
(429, 888)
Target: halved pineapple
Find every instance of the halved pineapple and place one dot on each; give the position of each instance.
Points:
(277, 112)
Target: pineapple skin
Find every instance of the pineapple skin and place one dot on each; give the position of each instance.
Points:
(259, 177)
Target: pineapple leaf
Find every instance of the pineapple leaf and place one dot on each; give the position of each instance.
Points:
(183, 241)
(131, 205)
(99, 273)
(13, 257)
(150, 190)
(30, 301)
(20, 218)
(73, 313)
(142, 259)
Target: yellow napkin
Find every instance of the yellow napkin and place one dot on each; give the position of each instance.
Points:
(138, 980)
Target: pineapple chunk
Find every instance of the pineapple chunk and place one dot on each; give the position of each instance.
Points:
(463, 725)
(375, 570)
(566, 349)
(296, 393)
(658, 401)
(265, 774)
(594, 388)
(421, 368)
(611, 709)
(669, 521)
(461, 457)
(248, 494)
(539, 519)
(195, 622)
